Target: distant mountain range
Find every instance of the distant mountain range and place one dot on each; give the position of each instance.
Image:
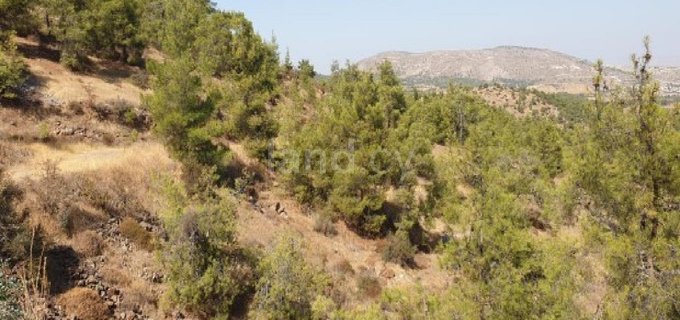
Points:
(542, 69)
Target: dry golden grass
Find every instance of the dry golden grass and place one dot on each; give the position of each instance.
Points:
(83, 303)
(115, 276)
(66, 86)
(139, 293)
(88, 244)
(65, 200)
(12, 153)
(82, 157)
(34, 280)
(49, 225)
(343, 267)
(81, 217)
(87, 185)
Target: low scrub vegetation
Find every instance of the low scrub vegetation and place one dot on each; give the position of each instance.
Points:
(12, 67)
(130, 229)
(84, 303)
(207, 271)
(323, 223)
(368, 285)
(15, 238)
(526, 201)
(88, 243)
(10, 295)
(288, 286)
(123, 112)
(399, 249)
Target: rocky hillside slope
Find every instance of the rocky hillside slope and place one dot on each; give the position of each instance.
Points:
(77, 137)
(509, 65)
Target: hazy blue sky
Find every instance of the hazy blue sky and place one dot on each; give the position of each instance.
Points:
(327, 30)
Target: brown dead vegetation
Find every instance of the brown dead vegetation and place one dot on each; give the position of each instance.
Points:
(131, 230)
(83, 303)
(88, 244)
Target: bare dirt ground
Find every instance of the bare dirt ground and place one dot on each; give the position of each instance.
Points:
(105, 81)
(260, 225)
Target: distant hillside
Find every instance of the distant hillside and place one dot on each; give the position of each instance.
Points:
(517, 66)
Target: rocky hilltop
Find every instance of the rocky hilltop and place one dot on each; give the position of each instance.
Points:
(509, 65)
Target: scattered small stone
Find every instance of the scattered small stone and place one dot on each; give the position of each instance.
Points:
(68, 131)
(146, 226)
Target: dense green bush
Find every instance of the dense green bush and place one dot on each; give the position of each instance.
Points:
(227, 47)
(229, 64)
(226, 44)
(105, 28)
(183, 114)
(73, 59)
(113, 31)
(247, 119)
(206, 269)
(171, 24)
(627, 163)
(343, 155)
(288, 286)
(12, 68)
(305, 70)
(444, 118)
(16, 15)
(496, 183)
(573, 109)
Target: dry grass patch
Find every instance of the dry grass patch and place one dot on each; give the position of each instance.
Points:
(121, 185)
(84, 304)
(11, 153)
(88, 244)
(134, 232)
(114, 276)
(65, 86)
(343, 267)
(368, 285)
(139, 293)
(139, 158)
(323, 224)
